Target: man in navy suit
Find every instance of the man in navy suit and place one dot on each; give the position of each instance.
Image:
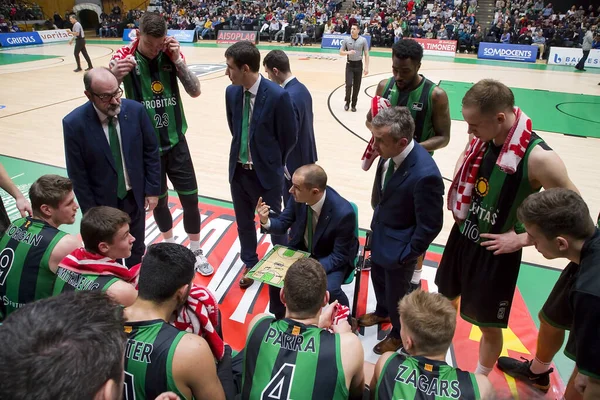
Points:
(277, 67)
(330, 232)
(261, 120)
(112, 154)
(407, 218)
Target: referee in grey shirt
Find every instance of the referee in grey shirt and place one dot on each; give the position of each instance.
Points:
(79, 37)
(354, 48)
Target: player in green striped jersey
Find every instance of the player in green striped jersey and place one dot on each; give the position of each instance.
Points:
(158, 356)
(296, 357)
(106, 238)
(32, 247)
(149, 68)
(420, 372)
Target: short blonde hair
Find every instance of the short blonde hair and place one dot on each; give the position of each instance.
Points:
(430, 318)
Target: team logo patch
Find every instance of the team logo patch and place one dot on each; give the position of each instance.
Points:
(502, 309)
(127, 329)
(296, 330)
(417, 106)
(482, 187)
(428, 367)
(157, 87)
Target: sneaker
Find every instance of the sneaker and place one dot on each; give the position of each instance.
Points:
(521, 371)
(202, 264)
(77, 70)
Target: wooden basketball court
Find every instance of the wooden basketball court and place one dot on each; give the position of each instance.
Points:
(39, 89)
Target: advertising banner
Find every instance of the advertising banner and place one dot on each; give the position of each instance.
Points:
(571, 56)
(229, 37)
(330, 41)
(181, 36)
(507, 52)
(20, 39)
(435, 47)
(57, 35)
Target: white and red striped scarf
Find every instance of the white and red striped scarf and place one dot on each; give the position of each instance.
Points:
(378, 103)
(511, 154)
(84, 262)
(201, 316)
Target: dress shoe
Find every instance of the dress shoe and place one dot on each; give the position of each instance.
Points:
(387, 344)
(346, 107)
(77, 70)
(371, 319)
(245, 283)
(414, 286)
(353, 109)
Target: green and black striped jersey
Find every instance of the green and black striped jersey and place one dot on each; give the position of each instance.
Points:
(406, 377)
(149, 359)
(285, 359)
(25, 274)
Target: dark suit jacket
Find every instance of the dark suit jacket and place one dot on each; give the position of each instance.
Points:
(90, 164)
(273, 131)
(409, 212)
(334, 242)
(305, 151)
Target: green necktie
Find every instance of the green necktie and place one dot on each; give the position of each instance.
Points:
(389, 173)
(245, 126)
(309, 224)
(115, 148)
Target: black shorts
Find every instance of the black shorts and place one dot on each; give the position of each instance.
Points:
(176, 163)
(486, 283)
(556, 310)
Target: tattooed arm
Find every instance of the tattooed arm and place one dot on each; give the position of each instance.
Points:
(188, 79)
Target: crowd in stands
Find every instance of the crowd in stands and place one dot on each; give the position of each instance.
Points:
(533, 23)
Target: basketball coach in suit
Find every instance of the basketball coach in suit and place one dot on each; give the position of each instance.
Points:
(112, 154)
(326, 227)
(407, 218)
(277, 67)
(261, 120)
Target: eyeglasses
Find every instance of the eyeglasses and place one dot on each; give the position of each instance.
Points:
(106, 98)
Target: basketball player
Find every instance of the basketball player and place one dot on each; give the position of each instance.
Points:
(79, 37)
(32, 247)
(68, 347)
(481, 261)
(158, 356)
(428, 105)
(421, 371)
(559, 224)
(295, 357)
(106, 238)
(149, 68)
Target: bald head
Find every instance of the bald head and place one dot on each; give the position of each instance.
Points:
(313, 176)
(103, 74)
(102, 89)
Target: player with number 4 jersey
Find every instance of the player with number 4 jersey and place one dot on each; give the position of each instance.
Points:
(150, 68)
(304, 355)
